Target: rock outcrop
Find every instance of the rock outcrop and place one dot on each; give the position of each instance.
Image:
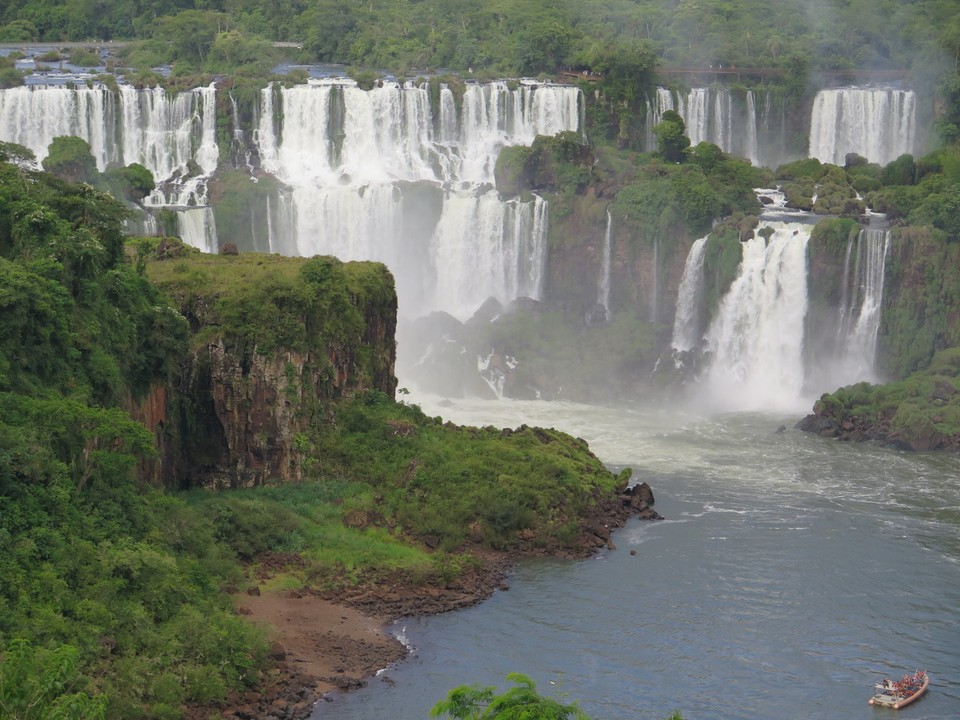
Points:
(265, 362)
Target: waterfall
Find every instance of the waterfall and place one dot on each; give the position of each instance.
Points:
(756, 338)
(33, 116)
(879, 124)
(372, 176)
(751, 146)
(485, 247)
(603, 283)
(687, 332)
(173, 136)
(196, 227)
(707, 113)
(713, 115)
(860, 303)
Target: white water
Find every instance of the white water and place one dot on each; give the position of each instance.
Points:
(756, 337)
(410, 190)
(370, 175)
(603, 284)
(161, 132)
(711, 115)
(165, 133)
(197, 228)
(687, 332)
(878, 124)
(861, 300)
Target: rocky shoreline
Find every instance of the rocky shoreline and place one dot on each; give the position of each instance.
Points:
(330, 640)
(879, 430)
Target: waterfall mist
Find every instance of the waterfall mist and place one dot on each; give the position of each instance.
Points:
(756, 337)
(385, 175)
(761, 350)
(404, 174)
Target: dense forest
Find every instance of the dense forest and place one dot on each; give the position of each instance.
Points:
(519, 37)
(114, 600)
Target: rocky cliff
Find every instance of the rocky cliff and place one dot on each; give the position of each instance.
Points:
(274, 341)
(921, 412)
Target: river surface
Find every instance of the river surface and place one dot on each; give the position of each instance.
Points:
(790, 574)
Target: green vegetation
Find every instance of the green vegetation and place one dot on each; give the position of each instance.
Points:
(98, 595)
(670, 198)
(519, 702)
(532, 35)
(922, 292)
(503, 489)
(43, 685)
(562, 164)
(113, 602)
(672, 140)
(923, 404)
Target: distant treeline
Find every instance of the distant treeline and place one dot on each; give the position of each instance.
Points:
(520, 36)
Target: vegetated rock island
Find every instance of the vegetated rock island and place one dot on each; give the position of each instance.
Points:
(921, 412)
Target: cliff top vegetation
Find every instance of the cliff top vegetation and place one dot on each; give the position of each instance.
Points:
(116, 589)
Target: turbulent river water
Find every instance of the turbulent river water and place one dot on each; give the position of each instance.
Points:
(790, 574)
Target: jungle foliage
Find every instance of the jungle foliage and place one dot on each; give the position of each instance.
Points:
(109, 602)
(113, 597)
(517, 703)
(519, 37)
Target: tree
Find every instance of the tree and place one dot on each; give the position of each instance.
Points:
(22, 157)
(671, 136)
(35, 686)
(191, 33)
(70, 159)
(522, 702)
(133, 182)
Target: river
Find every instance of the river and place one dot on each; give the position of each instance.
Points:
(790, 574)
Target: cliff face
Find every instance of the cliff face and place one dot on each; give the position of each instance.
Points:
(921, 303)
(275, 341)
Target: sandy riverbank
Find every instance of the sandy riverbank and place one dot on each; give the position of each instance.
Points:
(336, 639)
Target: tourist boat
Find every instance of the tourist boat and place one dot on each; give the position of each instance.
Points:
(900, 693)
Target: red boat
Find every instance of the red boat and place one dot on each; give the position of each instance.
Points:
(900, 693)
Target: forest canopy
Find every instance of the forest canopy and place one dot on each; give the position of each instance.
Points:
(527, 36)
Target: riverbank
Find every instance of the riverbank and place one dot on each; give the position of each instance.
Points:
(326, 640)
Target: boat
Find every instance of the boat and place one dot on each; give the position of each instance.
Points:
(900, 693)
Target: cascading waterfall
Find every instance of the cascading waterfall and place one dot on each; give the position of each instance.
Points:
(168, 134)
(196, 227)
(860, 304)
(171, 136)
(603, 283)
(372, 176)
(879, 124)
(33, 116)
(709, 115)
(687, 324)
(756, 338)
(751, 145)
(756, 344)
